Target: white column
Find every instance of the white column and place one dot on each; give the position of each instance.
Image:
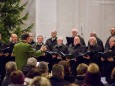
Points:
(45, 17)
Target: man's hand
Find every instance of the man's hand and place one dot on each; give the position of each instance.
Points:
(110, 59)
(43, 48)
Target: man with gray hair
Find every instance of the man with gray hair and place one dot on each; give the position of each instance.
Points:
(60, 47)
(99, 41)
(31, 63)
(94, 48)
(75, 33)
(10, 67)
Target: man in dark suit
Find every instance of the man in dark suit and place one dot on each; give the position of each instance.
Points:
(39, 43)
(32, 42)
(112, 30)
(99, 41)
(10, 45)
(60, 47)
(109, 62)
(75, 49)
(22, 51)
(94, 48)
(51, 41)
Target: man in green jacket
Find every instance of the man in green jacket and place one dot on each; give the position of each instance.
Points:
(22, 51)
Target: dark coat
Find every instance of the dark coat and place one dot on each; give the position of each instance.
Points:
(50, 43)
(6, 81)
(37, 46)
(93, 79)
(70, 78)
(80, 79)
(100, 43)
(56, 81)
(107, 43)
(58, 49)
(95, 57)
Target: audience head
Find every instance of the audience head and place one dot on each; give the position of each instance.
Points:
(10, 66)
(33, 73)
(40, 81)
(17, 77)
(71, 84)
(81, 69)
(58, 71)
(76, 40)
(66, 66)
(32, 61)
(14, 38)
(43, 67)
(40, 39)
(92, 41)
(74, 32)
(59, 41)
(25, 37)
(112, 30)
(53, 34)
(113, 73)
(112, 42)
(93, 76)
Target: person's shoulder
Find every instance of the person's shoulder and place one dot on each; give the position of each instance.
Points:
(22, 43)
(48, 39)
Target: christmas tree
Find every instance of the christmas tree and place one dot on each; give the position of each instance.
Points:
(11, 18)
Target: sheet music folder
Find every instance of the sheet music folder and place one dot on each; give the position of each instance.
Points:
(69, 40)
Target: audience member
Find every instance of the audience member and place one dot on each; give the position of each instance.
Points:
(10, 67)
(93, 76)
(31, 63)
(31, 74)
(40, 81)
(81, 72)
(67, 75)
(57, 78)
(17, 78)
(112, 82)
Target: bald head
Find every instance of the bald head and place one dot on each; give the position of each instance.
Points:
(74, 32)
(76, 40)
(14, 38)
(92, 41)
(112, 30)
(112, 42)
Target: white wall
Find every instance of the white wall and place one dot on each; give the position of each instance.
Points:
(45, 17)
(86, 15)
